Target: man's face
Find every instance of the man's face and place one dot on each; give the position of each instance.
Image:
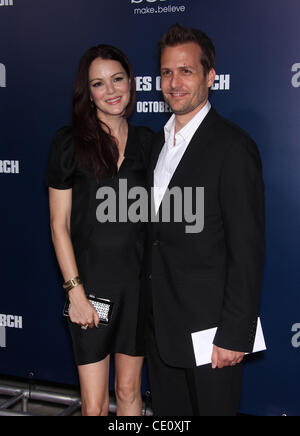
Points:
(184, 85)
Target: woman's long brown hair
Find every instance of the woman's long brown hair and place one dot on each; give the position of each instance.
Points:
(96, 149)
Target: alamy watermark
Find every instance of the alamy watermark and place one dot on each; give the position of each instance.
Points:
(178, 205)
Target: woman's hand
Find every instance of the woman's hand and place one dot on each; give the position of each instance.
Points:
(81, 311)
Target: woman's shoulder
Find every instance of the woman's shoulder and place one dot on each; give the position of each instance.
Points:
(143, 132)
(61, 161)
(143, 136)
(143, 142)
(63, 135)
(62, 142)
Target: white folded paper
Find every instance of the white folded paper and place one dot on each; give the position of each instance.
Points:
(203, 344)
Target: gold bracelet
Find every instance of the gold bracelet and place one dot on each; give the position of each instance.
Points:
(72, 284)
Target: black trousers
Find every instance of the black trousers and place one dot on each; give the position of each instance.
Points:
(201, 391)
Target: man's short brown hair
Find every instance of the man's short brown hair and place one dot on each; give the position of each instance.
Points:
(178, 35)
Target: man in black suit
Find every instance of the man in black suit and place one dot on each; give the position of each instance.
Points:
(209, 277)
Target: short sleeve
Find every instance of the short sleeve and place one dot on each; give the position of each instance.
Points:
(61, 163)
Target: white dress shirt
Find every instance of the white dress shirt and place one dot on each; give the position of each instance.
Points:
(172, 152)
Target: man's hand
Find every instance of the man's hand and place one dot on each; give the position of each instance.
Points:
(222, 358)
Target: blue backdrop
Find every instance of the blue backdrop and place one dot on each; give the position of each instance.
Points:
(258, 87)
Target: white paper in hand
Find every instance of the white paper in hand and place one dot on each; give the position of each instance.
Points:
(203, 344)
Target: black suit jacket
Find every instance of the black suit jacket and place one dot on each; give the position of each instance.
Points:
(212, 278)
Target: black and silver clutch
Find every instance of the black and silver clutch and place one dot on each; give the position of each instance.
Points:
(103, 308)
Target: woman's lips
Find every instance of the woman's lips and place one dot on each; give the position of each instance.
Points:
(113, 101)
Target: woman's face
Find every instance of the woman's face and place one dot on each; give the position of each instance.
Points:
(109, 87)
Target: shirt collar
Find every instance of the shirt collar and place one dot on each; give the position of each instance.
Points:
(188, 131)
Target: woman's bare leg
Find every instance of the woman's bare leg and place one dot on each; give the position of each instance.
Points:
(128, 374)
(94, 385)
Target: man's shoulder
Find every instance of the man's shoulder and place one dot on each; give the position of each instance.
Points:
(231, 129)
(231, 136)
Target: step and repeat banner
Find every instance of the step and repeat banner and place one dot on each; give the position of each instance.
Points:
(257, 86)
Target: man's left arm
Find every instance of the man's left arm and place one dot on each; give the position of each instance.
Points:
(242, 203)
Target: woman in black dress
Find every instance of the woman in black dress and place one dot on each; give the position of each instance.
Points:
(104, 259)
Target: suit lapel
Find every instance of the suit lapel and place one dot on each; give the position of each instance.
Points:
(195, 147)
(193, 151)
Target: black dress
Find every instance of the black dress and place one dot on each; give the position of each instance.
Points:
(109, 255)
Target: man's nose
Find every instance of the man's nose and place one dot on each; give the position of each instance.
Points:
(175, 81)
